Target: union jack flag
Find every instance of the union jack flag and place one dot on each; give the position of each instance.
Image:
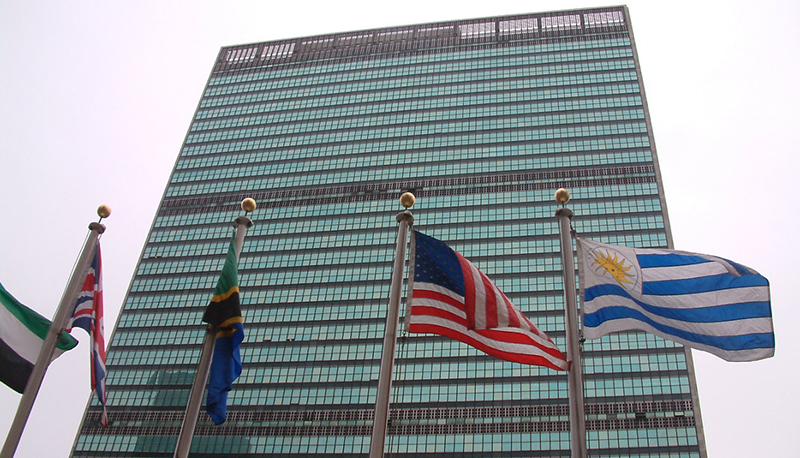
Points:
(449, 296)
(88, 315)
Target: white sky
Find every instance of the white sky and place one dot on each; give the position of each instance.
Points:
(96, 98)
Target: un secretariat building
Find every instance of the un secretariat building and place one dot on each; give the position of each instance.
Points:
(482, 120)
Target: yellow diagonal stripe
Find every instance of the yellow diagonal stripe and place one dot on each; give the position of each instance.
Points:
(222, 297)
(227, 332)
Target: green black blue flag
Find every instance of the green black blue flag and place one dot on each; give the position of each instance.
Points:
(225, 314)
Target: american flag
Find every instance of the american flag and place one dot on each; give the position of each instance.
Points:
(449, 296)
(88, 315)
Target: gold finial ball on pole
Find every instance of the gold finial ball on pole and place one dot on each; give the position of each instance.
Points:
(562, 196)
(248, 205)
(407, 200)
(104, 211)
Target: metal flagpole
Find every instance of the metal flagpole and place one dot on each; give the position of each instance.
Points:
(405, 219)
(577, 416)
(186, 435)
(65, 309)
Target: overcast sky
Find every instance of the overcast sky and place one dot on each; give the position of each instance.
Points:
(96, 98)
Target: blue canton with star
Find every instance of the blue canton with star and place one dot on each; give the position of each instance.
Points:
(438, 264)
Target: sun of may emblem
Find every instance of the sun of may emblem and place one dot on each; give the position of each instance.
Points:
(604, 262)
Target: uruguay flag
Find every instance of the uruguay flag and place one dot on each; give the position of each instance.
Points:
(88, 315)
(701, 301)
(449, 296)
(224, 313)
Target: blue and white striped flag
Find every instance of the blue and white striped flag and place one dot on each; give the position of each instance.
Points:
(700, 301)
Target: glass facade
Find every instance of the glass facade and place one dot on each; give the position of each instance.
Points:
(483, 120)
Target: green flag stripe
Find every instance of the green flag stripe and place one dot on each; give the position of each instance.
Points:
(26, 327)
(228, 278)
(224, 304)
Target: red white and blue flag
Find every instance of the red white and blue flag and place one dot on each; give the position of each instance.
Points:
(88, 315)
(449, 296)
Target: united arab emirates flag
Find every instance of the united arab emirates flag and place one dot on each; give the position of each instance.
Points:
(22, 333)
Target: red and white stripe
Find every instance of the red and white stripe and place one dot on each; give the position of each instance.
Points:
(485, 319)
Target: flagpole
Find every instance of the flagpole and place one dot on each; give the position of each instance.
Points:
(577, 416)
(198, 388)
(406, 219)
(65, 309)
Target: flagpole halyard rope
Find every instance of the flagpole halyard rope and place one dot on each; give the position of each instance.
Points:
(575, 373)
(378, 441)
(581, 339)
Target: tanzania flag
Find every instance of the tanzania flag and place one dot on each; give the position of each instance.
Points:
(225, 315)
(22, 333)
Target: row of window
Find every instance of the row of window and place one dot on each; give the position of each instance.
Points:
(382, 256)
(509, 74)
(255, 311)
(659, 437)
(405, 370)
(470, 135)
(628, 441)
(506, 273)
(667, 413)
(613, 360)
(523, 211)
(364, 257)
(456, 236)
(356, 240)
(524, 64)
(418, 393)
(515, 130)
(278, 312)
(256, 333)
(458, 57)
(411, 110)
(419, 170)
(456, 99)
(506, 74)
(340, 333)
(299, 278)
(303, 294)
(413, 145)
(289, 295)
(390, 113)
(426, 127)
(495, 98)
(305, 348)
(281, 162)
(376, 176)
(538, 201)
(622, 362)
(489, 89)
